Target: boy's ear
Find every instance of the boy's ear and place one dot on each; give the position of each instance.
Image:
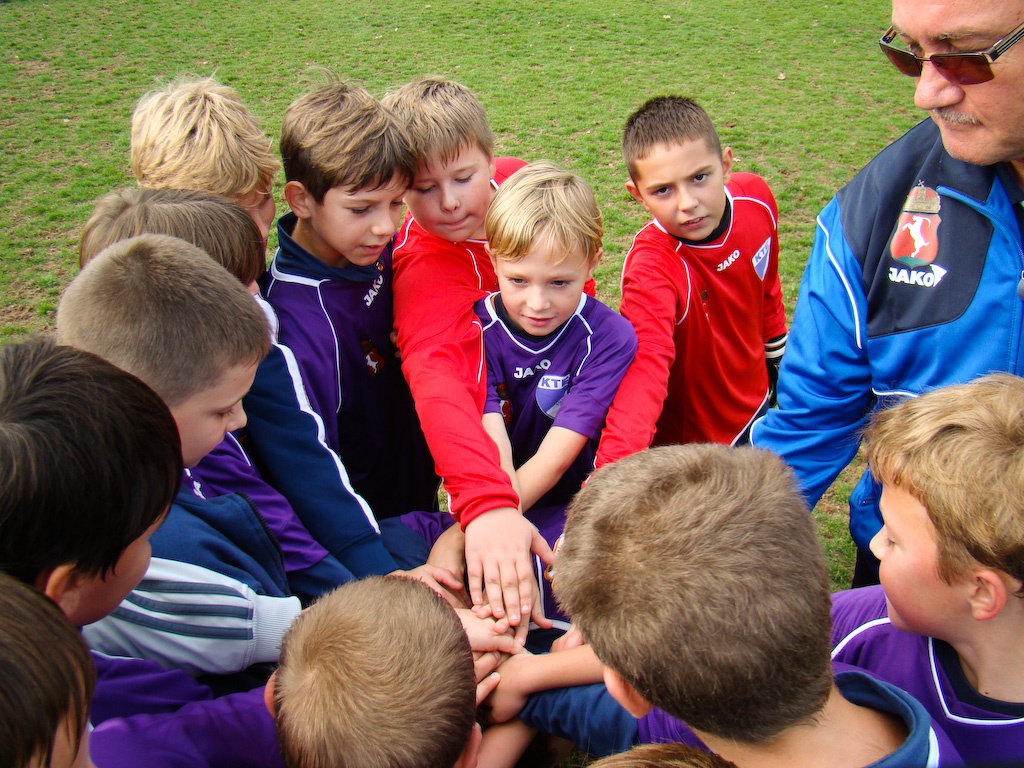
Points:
(299, 199)
(268, 695)
(62, 584)
(490, 255)
(594, 262)
(626, 694)
(635, 193)
(469, 755)
(726, 164)
(989, 593)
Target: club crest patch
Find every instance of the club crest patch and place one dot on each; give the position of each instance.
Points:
(504, 402)
(550, 391)
(761, 258)
(916, 242)
(374, 360)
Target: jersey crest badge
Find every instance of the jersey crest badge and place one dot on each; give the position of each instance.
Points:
(374, 360)
(761, 258)
(916, 242)
(550, 390)
(505, 402)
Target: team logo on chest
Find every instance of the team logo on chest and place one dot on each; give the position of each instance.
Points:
(916, 242)
(550, 390)
(374, 359)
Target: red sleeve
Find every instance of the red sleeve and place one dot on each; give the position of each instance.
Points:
(650, 300)
(773, 309)
(436, 284)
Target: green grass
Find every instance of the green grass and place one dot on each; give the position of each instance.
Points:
(798, 89)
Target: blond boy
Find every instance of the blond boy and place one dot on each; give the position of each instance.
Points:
(441, 270)
(700, 285)
(946, 622)
(197, 134)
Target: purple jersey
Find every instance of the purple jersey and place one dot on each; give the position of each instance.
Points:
(565, 379)
(984, 731)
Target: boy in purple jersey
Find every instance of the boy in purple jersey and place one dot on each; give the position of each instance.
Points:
(348, 165)
(696, 574)
(947, 621)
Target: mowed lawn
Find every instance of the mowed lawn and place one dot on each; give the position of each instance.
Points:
(798, 89)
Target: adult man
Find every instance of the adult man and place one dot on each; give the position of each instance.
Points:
(915, 279)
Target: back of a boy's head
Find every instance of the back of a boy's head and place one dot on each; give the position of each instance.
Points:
(212, 222)
(338, 135)
(442, 117)
(46, 677)
(162, 309)
(664, 756)
(91, 459)
(378, 672)
(960, 452)
(197, 134)
(666, 120)
(543, 200)
(696, 574)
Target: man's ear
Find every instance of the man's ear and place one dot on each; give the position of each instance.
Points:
(988, 593)
(625, 694)
(268, 695)
(62, 584)
(299, 199)
(468, 757)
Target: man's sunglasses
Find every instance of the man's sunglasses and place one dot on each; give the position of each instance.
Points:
(960, 68)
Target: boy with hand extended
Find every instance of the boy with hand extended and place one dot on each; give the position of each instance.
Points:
(700, 285)
(441, 270)
(947, 620)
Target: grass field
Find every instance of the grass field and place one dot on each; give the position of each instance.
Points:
(797, 88)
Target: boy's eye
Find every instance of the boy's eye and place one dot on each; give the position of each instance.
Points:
(516, 280)
(559, 283)
(396, 203)
(464, 179)
(661, 191)
(423, 190)
(700, 177)
(358, 211)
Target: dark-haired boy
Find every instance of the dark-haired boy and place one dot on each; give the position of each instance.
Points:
(946, 622)
(700, 285)
(347, 165)
(749, 670)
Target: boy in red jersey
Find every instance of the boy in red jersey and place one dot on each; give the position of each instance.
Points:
(700, 285)
(441, 269)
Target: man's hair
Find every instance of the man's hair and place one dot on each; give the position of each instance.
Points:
(378, 672)
(197, 134)
(664, 756)
(338, 135)
(442, 117)
(543, 200)
(46, 677)
(162, 309)
(666, 120)
(212, 222)
(696, 574)
(959, 450)
(91, 459)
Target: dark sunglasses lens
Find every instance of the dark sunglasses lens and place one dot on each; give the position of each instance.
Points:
(904, 61)
(964, 69)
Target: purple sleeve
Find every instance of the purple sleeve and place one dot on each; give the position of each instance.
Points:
(229, 732)
(128, 686)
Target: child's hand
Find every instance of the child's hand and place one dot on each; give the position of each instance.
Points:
(509, 698)
(487, 634)
(498, 547)
(440, 580)
(487, 681)
(571, 639)
(449, 551)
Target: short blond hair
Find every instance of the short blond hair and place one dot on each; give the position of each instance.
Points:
(959, 450)
(442, 117)
(377, 673)
(195, 133)
(542, 200)
(161, 309)
(338, 135)
(695, 573)
(212, 222)
(664, 756)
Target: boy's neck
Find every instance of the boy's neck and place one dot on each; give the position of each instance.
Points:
(841, 735)
(306, 237)
(989, 654)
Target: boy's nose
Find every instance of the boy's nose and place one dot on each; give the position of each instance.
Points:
(877, 543)
(238, 418)
(449, 201)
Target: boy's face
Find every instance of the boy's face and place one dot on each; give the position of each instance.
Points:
(450, 199)
(682, 185)
(204, 418)
(539, 293)
(99, 595)
(352, 226)
(64, 754)
(918, 600)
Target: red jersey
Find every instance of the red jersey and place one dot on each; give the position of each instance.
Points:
(702, 315)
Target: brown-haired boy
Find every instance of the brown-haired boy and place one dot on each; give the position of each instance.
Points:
(947, 620)
(196, 134)
(379, 672)
(441, 270)
(700, 285)
(664, 756)
(696, 575)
